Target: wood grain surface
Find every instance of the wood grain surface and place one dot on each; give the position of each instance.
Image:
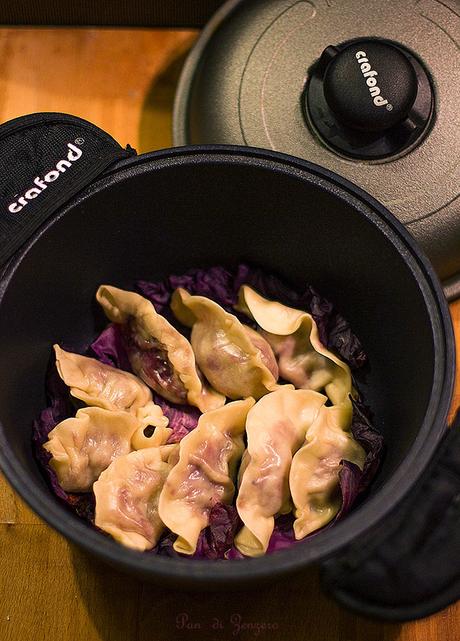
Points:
(124, 82)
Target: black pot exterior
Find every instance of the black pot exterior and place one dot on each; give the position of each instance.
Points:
(168, 211)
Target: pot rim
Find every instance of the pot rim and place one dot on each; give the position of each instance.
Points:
(203, 573)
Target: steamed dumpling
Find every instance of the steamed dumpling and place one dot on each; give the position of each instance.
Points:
(127, 495)
(276, 428)
(205, 473)
(314, 476)
(158, 353)
(293, 335)
(83, 446)
(235, 359)
(100, 385)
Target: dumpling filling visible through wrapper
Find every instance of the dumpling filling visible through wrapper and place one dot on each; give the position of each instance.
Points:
(127, 495)
(204, 475)
(84, 446)
(104, 386)
(100, 385)
(293, 335)
(236, 360)
(276, 428)
(314, 475)
(158, 353)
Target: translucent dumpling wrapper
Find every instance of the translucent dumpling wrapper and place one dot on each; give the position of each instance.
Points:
(127, 495)
(158, 353)
(314, 476)
(293, 335)
(235, 359)
(276, 428)
(100, 385)
(83, 446)
(204, 474)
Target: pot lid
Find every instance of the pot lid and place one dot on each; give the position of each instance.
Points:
(368, 89)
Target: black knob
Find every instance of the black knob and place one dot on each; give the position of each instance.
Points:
(369, 98)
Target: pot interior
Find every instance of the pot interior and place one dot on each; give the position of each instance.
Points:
(168, 214)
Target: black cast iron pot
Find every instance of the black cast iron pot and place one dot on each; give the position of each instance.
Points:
(162, 213)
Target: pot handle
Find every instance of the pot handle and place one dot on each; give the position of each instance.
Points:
(409, 567)
(45, 159)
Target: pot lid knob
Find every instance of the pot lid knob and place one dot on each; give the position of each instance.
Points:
(368, 98)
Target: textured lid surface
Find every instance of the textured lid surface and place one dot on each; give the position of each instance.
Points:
(244, 81)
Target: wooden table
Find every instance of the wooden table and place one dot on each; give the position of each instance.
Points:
(49, 590)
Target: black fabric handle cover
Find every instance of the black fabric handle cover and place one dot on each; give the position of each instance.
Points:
(409, 567)
(45, 159)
